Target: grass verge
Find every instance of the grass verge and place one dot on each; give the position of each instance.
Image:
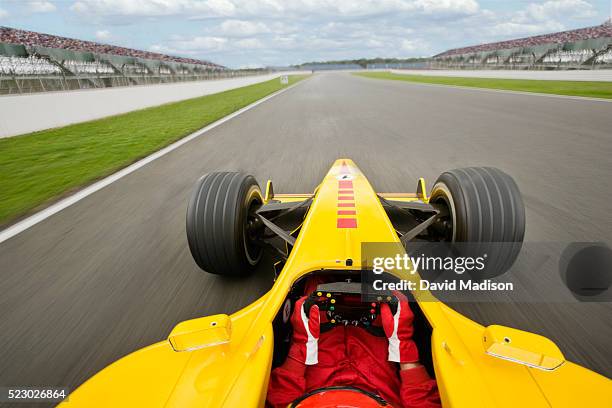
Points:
(573, 88)
(38, 167)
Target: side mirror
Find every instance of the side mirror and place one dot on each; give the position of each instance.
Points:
(199, 333)
(522, 347)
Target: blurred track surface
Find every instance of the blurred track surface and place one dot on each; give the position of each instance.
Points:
(113, 273)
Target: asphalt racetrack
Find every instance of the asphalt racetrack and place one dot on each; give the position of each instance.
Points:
(113, 273)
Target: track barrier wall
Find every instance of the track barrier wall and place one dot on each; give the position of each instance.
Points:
(26, 113)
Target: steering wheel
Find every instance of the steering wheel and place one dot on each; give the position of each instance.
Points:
(345, 305)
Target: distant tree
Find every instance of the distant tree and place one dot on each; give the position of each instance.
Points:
(364, 62)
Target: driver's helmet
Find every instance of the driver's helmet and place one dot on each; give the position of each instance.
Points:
(334, 397)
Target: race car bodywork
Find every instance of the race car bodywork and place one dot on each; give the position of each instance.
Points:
(225, 361)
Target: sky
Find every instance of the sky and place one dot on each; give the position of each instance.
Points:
(252, 33)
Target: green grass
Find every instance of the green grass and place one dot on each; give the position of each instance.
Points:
(38, 167)
(573, 88)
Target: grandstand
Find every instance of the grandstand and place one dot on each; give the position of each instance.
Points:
(584, 48)
(35, 62)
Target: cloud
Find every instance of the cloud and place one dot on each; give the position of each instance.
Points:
(241, 28)
(220, 7)
(40, 7)
(448, 6)
(269, 8)
(538, 18)
(513, 29)
(552, 9)
(251, 65)
(408, 45)
(192, 46)
(241, 32)
(3, 14)
(249, 43)
(279, 49)
(207, 45)
(125, 7)
(151, 8)
(103, 35)
(282, 29)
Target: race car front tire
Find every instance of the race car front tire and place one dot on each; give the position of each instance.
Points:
(486, 215)
(220, 217)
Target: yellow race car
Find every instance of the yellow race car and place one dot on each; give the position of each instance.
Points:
(226, 360)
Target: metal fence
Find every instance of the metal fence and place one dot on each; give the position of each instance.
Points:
(38, 69)
(18, 84)
(592, 53)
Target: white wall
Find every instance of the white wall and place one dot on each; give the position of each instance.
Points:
(583, 75)
(30, 112)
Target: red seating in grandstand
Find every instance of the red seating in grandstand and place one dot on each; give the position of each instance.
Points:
(31, 38)
(604, 30)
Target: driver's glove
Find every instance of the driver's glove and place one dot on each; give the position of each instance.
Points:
(398, 329)
(306, 329)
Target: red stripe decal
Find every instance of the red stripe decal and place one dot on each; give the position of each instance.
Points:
(347, 212)
(347, 223)
(346, 198)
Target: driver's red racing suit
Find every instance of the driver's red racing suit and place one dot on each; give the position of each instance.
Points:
(351, 356)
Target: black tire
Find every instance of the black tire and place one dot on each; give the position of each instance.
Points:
(485, 208)
(220, 217)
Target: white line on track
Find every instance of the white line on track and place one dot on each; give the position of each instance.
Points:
(81, 194)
